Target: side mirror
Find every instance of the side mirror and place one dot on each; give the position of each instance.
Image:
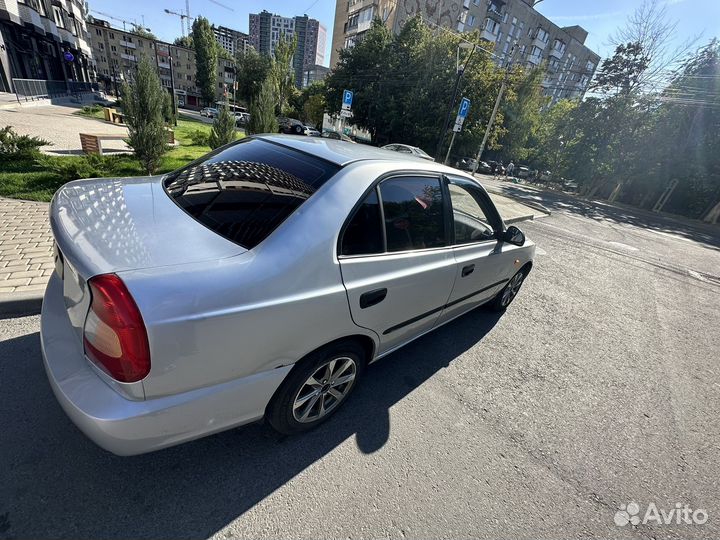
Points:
(513, 235)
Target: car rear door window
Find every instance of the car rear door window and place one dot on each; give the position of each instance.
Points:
(245, 191)
(413, 213)
(363, 234)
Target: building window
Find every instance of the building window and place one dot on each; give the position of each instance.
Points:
(471, 20)
(113, 48)
(98, 32)
(101, 46)
(112, 35)
(59, 21)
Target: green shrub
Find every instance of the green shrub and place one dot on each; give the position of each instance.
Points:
(223, 130)
(14, 146)
(74, 168)
(91, 110)
(199, 137)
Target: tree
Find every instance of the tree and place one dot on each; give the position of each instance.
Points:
(223, 129)
(262, 110)
(206, 58)
(283, 75)
(142, 32)
(185, 41)
(623, 72)
(169, 112)
(252, 70)
(143, 101)
(523, 114)
(650, 29)
(403, 83)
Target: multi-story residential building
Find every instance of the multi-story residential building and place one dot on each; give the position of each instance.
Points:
(538, 41)
(43, 39)
(267, 28)
(231, 40)
(314, 73)
(117, 52)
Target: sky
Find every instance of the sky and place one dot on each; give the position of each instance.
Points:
(599, 17)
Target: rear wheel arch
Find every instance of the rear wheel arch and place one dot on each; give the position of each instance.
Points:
(279, 407)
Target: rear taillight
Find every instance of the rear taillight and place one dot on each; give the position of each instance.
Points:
(114, 335)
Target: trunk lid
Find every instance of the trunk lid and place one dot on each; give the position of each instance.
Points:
(111, 225)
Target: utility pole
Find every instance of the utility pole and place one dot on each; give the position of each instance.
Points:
(494, 111)
(460, 70)
(172, 86)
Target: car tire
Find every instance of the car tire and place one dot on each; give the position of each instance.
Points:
(508, 293)
(300, 404)
(297, 130)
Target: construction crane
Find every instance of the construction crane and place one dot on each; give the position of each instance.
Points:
(219, 4)
(183, 18)
(123, 21)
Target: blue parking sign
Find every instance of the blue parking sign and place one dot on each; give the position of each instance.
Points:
(347, 99)
(464, 108)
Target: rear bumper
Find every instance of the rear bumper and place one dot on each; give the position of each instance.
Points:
(126, 427)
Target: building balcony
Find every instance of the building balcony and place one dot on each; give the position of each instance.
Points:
(30, 16)
(128, 45)
(130, 57)
(488, 35)
(534, 59)
(539, 43)
(557, 53)
(360, 4)
(164, 65)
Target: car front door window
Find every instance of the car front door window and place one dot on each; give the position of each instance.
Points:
(471, 221)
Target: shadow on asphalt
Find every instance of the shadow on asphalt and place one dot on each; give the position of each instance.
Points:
(598, 210)
(57, 483)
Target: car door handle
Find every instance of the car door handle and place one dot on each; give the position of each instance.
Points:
(467, 270)
(371, 298)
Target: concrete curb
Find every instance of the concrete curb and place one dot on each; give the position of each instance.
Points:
(20, 304)
(510, 221)
(530, 204)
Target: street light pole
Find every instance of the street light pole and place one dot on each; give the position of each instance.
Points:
(494, 112)
(460, 71)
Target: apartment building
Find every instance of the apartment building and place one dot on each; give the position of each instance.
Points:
(231, 40)
(117, 53)
(266, 29)
(569, 64)
(43, 39)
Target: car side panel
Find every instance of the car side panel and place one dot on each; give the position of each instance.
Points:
(418, 284)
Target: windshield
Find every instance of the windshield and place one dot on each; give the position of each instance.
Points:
(244, 191)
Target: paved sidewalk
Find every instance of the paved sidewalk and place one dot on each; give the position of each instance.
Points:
(59, 125)
(25, 247)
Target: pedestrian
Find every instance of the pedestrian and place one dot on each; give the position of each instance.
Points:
(510, 169)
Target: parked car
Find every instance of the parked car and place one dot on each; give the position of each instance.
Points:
(290, 126)
(149, 342)
(242, 118)
(407, 149)
(310, 131)
(465, 163)
(496, 167)
(210, 112)
(337, 136)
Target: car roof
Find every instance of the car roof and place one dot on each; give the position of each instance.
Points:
(338, 152)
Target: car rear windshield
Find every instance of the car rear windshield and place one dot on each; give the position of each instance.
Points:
(244, 191)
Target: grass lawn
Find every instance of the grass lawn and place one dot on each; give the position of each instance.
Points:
(37, 179)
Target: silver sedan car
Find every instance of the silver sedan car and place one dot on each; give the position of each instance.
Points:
(258, 282)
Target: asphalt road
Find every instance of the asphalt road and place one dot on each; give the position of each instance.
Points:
(598, 387)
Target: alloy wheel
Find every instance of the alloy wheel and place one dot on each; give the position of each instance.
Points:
(325, 389)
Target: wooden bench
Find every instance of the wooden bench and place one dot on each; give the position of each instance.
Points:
(91, 142)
